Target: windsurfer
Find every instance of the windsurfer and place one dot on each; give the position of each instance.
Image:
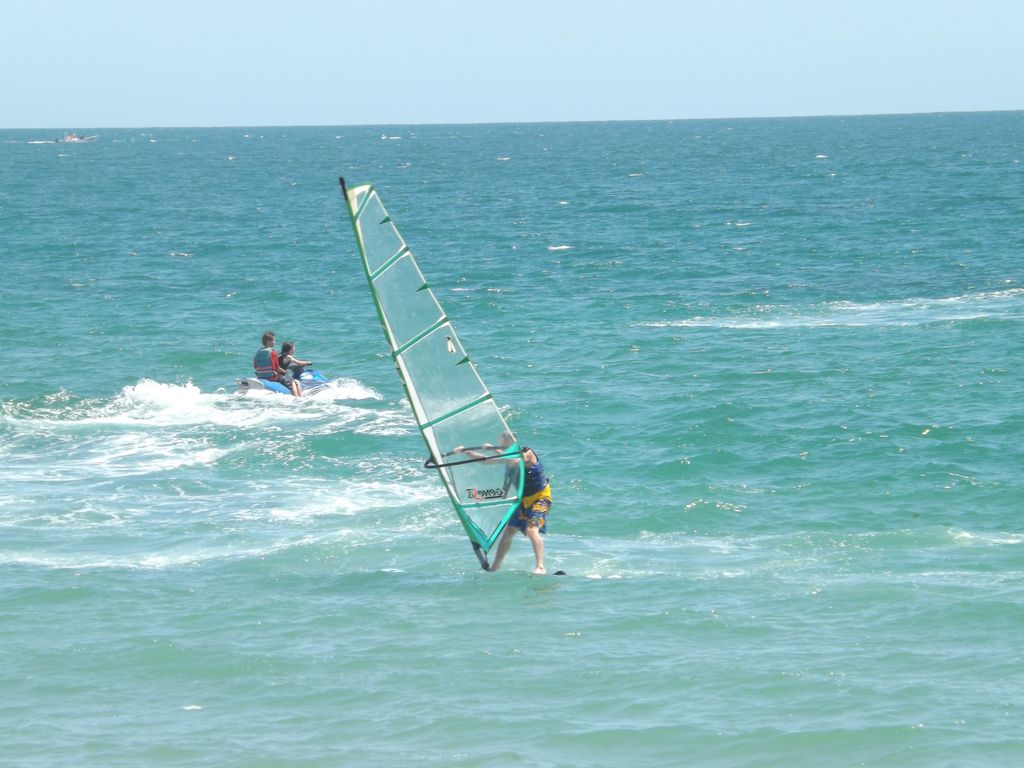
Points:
(530, 518)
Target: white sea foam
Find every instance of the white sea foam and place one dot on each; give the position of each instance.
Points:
(126, 532)
(347, 389)
(152, 427)
(559, 247)
(154, 404)
(898, 312)
(134, 560)
(988, 539)
(349, 499)
(138, 454)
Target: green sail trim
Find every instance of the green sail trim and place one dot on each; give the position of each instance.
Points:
(449, 400)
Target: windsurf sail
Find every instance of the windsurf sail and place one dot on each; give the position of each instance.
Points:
(472, 448)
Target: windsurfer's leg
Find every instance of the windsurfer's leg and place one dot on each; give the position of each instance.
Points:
(533, 534)
(503, 546)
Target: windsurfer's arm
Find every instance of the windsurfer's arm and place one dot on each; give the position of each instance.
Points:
(497, 450)
(475, 452)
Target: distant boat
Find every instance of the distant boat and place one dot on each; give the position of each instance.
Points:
(74, 138)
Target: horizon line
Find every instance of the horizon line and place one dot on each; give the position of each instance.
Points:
(522, 122)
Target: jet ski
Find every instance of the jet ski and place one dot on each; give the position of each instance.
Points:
(311, 381)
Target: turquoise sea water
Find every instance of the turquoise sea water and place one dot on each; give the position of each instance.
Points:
(773, 366)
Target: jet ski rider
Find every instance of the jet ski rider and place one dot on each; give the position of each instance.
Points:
(267, 367)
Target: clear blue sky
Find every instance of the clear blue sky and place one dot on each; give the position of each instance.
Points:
(75, 64)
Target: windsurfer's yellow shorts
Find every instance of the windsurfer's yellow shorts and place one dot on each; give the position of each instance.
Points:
(533, 511)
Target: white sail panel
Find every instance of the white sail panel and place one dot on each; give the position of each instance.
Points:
(442, 375)
(374, 229)
(407, 309)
